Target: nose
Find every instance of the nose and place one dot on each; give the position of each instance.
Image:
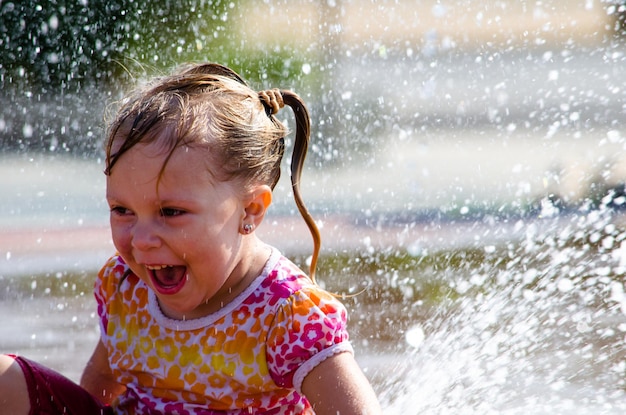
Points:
(144, 236)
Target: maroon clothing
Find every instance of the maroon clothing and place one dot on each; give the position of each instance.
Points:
(52, 393)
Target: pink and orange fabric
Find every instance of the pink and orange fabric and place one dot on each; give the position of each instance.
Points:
(251, 357)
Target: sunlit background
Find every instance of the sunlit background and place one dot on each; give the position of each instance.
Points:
(467, 169)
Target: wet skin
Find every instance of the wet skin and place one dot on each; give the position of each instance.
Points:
(180, 233)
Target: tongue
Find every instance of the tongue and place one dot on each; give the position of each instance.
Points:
(170, 276)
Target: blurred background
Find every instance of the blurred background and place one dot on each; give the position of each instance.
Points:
(467, 168)
(524, 96)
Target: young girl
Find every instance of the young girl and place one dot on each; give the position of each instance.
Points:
(197, 315)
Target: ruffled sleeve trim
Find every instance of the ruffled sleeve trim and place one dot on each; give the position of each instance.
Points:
(316, 359)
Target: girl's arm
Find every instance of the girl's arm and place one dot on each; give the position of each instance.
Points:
(338, 386)
(97, 377)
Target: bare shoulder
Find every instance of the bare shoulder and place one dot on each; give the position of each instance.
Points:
(338, 385)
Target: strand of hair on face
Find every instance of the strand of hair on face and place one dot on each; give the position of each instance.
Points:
(300, 147)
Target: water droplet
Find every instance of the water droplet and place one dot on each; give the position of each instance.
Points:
(415, 336)
(27, 131)
(565, 285)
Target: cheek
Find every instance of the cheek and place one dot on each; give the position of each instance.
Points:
(121, 239)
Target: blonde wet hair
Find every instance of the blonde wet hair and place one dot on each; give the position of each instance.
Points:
(210, 107)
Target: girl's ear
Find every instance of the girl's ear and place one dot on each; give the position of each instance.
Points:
(256, 205)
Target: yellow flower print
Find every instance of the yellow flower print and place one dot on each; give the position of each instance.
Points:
(144, 317)
(247, 370)
(243, 360)
(190, 355)
(166, 349)
(255, 380)
(262, 363)
(146, 344)
(218, 362)
(131, 329)
(242, 345)
(111, 329)
(153, 362)
(205, 369)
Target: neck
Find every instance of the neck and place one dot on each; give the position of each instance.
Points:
(248, 268)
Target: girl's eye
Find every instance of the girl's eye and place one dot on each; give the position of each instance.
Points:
(120, 211)
(169, 212)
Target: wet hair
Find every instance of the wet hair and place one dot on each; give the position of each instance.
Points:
(210, 107)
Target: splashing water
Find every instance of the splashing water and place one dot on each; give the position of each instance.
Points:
(536, 325)
(541, 330)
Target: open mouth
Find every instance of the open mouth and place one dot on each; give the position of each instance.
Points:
(167, 279)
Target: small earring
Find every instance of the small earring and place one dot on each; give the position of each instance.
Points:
(247, 228)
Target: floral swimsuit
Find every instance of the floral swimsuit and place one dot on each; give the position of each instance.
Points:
(250, 357)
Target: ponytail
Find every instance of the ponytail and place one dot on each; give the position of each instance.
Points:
(273, 100)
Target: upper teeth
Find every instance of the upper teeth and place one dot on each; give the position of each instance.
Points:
(157, 267)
